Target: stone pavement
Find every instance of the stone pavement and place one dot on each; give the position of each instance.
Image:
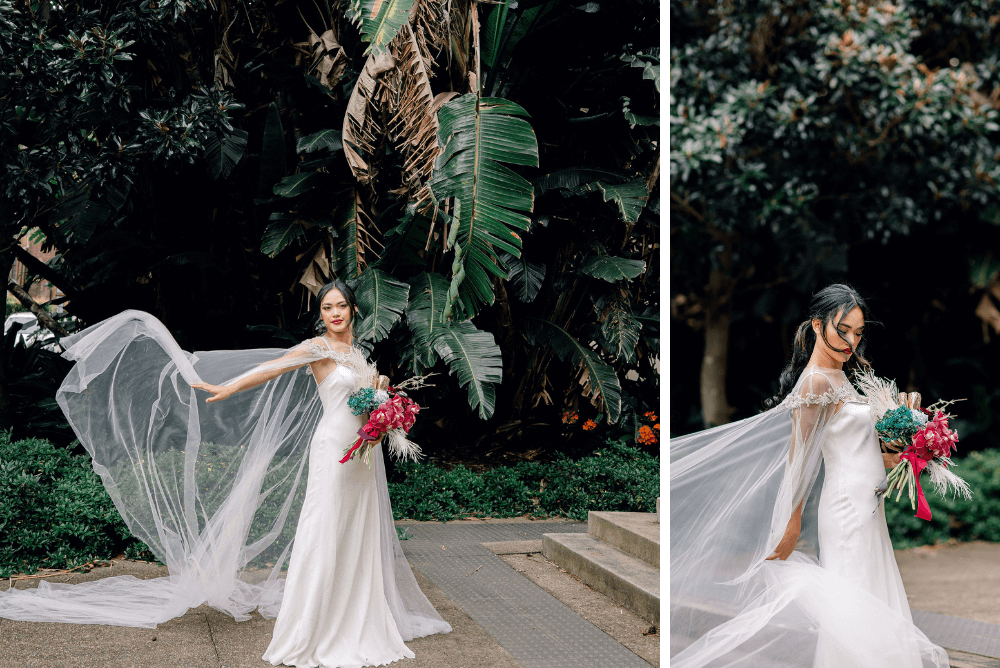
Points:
(500, 617)
(954, 592)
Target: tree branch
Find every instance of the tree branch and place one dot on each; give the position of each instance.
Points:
(44, 319)
(38, 267)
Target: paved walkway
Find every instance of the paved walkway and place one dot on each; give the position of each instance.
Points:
(500, 618)
(954, 592)
(537, 630)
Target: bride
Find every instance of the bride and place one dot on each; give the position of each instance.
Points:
(214, 488)
(780, 554)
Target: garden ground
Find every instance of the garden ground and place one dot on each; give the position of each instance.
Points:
(956, 580)
(573, 622)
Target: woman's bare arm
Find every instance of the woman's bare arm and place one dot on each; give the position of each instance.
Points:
(791, 537)
(221, 392)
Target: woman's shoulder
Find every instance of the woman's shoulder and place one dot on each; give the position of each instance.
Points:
(332, 349)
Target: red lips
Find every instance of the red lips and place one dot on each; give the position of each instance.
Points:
(847, 350)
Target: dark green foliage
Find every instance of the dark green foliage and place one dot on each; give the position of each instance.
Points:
(190, 160)
(615, 477)
(975, 519)
(817, 142)
(54, 511)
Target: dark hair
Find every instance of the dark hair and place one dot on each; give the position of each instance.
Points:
(825, 305)
(352, 303)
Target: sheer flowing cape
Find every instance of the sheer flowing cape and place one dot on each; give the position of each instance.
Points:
(733, 490)
(214, 489)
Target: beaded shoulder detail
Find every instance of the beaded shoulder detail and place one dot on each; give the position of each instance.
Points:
(845, 392)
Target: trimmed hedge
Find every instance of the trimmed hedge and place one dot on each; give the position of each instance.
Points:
(616, 477)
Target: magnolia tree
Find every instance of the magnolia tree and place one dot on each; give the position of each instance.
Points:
(801, 128)
(484, 175)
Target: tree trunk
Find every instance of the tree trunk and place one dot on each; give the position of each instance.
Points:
(714, 406)
(718, 312)
(44, 319)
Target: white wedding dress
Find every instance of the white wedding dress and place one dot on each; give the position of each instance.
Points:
(838, 600)
(334, 611)
(213, 488)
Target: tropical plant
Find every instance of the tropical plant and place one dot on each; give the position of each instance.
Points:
(216, 163)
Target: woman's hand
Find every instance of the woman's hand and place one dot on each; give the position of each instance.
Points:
(890, 460)
(219, 392)
(791, 537)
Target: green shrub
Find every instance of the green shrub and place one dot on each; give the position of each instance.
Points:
(616, 477)
(975, 519)
(54, 511)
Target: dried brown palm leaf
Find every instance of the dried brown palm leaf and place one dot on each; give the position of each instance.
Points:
(413, 125)
(429, 22)
(459, 38)
(319, 270)
(329, 59)
(363, 127)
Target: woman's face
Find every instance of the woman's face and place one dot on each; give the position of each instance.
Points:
(336, 312)
(843, 336)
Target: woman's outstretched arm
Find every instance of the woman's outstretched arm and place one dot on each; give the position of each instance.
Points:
(220, 392)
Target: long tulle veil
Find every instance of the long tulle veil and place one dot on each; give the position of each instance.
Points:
(214, 489)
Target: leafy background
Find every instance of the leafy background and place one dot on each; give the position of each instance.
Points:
(815, 142)
(485, 174)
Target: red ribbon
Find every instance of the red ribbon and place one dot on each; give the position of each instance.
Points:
(357, 444)
(350, 452)
(918, 464)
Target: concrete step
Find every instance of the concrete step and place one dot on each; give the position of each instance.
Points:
(637, 534)
(628, 581)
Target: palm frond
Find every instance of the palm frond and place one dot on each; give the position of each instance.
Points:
(611, 269)
(475, 358)
(477, 135)
(379, 21)
(598, 379)
(525, 277)
(362, 129)
(354, 240)
(381, 302)
(413, 126)
(428, 292)
(620, 330)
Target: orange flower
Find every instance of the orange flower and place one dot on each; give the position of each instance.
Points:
(570, 417)
(651, 415)
(588, 425)
(656, 426)
(646, 435)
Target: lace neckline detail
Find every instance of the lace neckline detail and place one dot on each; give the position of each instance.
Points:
(824, 369)
(843, 392)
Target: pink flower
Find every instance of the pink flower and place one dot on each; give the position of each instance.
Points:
(935, 439)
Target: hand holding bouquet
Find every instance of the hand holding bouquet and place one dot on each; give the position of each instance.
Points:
(390, 412)
(922, 436)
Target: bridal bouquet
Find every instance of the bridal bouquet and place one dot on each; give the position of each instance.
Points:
(922, 436)
(391, 413)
